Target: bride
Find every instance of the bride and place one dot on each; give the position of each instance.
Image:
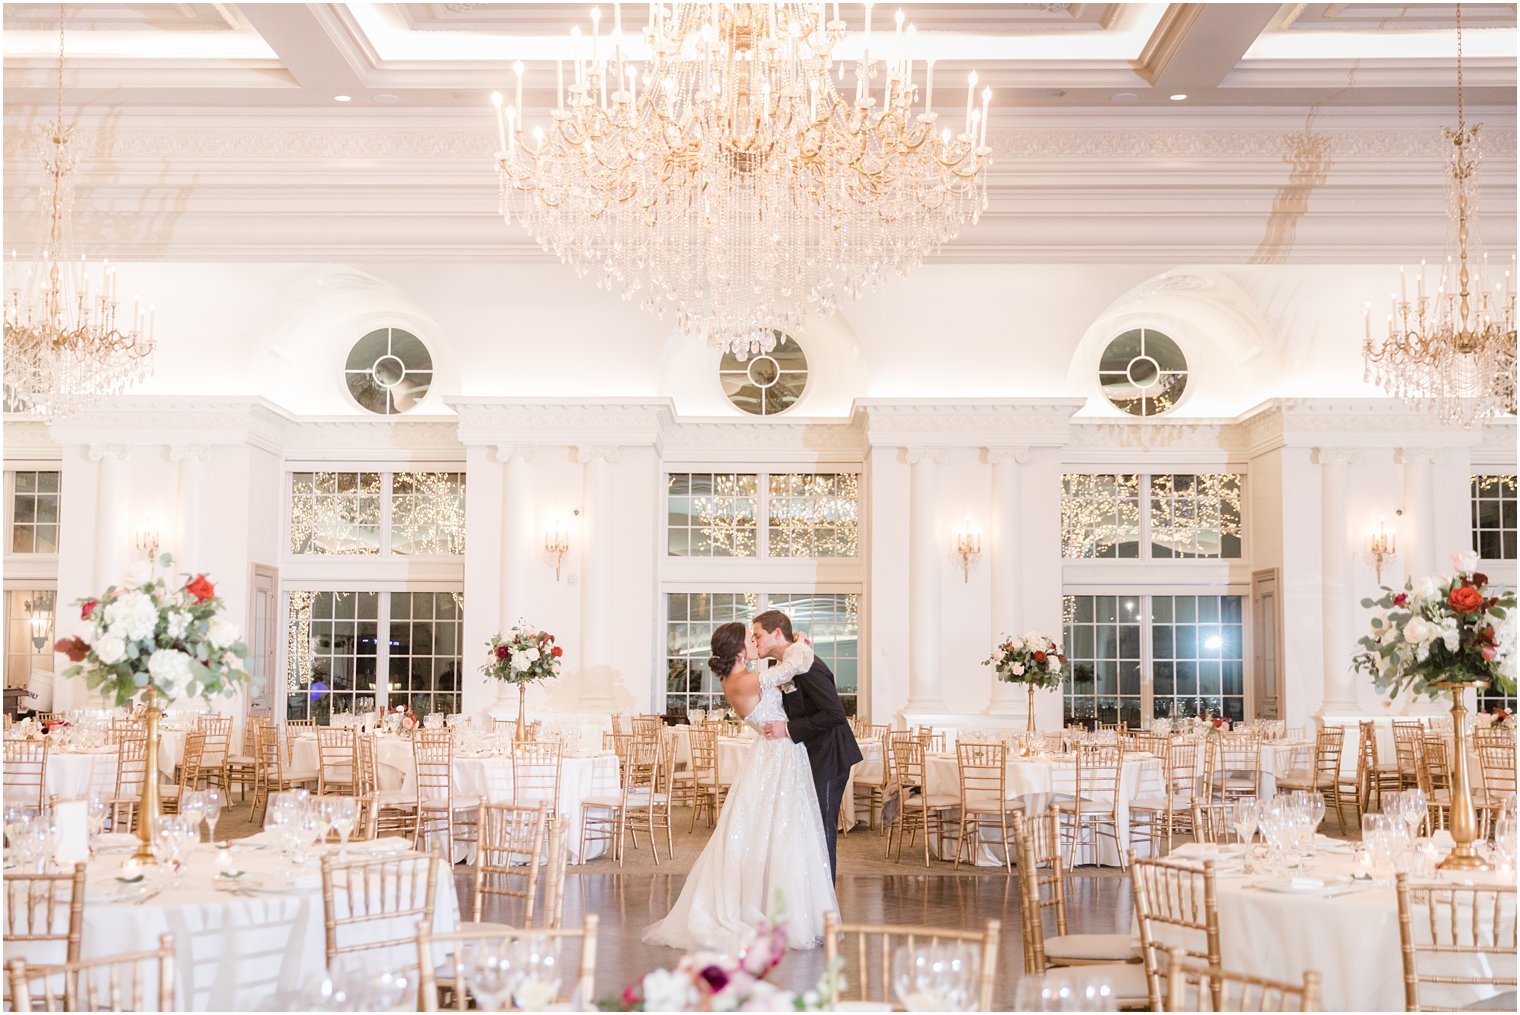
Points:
(767, 858)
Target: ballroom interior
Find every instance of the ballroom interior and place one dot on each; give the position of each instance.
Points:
(1137, 327)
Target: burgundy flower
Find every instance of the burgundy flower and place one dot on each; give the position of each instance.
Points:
(75, 648)
(1400, 599)
(502, 651)
(716, 977)
(88, 609)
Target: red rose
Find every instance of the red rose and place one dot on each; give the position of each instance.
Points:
(74, 648)
(556, 652)
(1465, 599)
(502, 651)
(1039, 657)
(200, 588)
(88, 608)
(1400, 599)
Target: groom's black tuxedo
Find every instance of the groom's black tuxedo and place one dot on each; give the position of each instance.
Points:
(815, 717)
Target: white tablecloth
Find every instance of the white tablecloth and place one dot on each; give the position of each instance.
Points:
(1352, 939)
(232, 952)
(733, 754)
(80, 775)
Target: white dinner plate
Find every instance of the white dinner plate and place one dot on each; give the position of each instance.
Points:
(1305, 886)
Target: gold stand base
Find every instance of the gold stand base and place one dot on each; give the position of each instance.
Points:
(1463, 858)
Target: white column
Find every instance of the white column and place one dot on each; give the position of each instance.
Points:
(187, 548)
(596, 661)
(1335, 566)
(1007, 563)
(112, 543)
(924, 565)
(1417, 529)
(516, 528)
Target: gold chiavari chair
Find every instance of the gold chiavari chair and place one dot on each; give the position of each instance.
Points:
(508, 726)
(335, 760)
(438, 809)
(1322, 775)
(1192, 987)
(243, 766)
(983, 770)
(1373, 775)
(1213, 822)
(1118, 727)
(44, 915)
(932, 739)
(915, 810)
(109, 983)
(1087, 818)
(511, 845)
(131, 770)
(453, 976)
(1457, 938)
(557, 861)
(189, 774)
(217, 729)
(293, 729)
(1042, 886)
(121, 728)
(1496, 767)
(25, 778)
(1429, 771)
(1406, 740)
(1175, 908)
(870, 788)
(710, 793)
(387, 812)
(274, 773)
(610, 818)
(1234, 765)
(862, 949)
(536, 773)
(648, 726)
(361, 896)
(1150, 816)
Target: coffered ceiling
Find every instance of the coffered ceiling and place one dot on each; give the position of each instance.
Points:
(298, 131)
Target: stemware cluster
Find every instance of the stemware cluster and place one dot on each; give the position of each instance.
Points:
(300, 821)
(522, 973)
(939, 976)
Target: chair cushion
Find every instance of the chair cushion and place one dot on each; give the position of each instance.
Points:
(1499, 1002)
(300, 774)
(1158, 803)
(460, 803)
(395, 798)
(241, 759)
(1086, 806)
(1125, 979)
(1092, 947)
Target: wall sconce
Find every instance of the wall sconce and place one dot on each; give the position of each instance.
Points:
(557, 544)
(39, 618)
(968, 544)
(147, 541)
(1382, 546)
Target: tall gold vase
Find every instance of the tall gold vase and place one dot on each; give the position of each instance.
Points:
(522, 713)
(147, 807)
(1029, 723)
(1464, 822)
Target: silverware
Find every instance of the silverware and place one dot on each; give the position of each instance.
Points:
(151, 895)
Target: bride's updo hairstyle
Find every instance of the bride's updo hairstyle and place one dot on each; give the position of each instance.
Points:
(727, 646)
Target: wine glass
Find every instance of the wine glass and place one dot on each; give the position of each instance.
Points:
(1505, 839)
(1247, 816)
(96, 817)
(192, 809)
(342, 814)
(488, 969)
(538, 979)
(211, 809)
(936, 977)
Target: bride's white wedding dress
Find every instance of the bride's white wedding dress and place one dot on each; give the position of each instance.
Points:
(767, 858)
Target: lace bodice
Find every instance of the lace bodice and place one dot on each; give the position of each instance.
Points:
(799, 658)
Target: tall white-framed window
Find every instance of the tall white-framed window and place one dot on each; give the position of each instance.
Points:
(1156, 581)
(33, 501)
(743, 540)
(372, 582)
(1496, 540)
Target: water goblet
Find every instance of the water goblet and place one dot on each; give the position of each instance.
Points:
(191, 808)
(211, 809)
(95, 816)
(936, 977)
(538, 982)
(1505, 841)
(489, 972)
(342, 815)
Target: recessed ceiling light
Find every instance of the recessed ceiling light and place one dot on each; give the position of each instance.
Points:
(342, 98)
(1124, 98)
(387, 99)
(1179, 96)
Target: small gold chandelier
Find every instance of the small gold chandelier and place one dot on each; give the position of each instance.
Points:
(730, 178)
(65, 345)
(1453, 353)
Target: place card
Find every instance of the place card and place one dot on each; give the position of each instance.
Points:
(72, 819)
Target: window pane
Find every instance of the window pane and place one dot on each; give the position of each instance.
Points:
(1195, 516)
(1493, 514)
(718, 519)
(1198, 664)
(427, 513)
(425, 653)
(1102, 643)
(814, 514)
(1100, 516)
(324, 675)
(335, 513)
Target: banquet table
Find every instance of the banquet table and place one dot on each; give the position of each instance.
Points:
(1348, 933)
(733, 754)
(233, 952)
(489, 778)
(81, 774)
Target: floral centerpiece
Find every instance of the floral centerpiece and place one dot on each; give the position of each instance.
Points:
(524, 656)
(159, 640)
(1032, 660)
(709, 981)
(1444, 633)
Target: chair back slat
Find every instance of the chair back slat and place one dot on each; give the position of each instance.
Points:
(867, 966)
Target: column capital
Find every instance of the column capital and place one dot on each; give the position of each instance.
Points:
(189, 452)
(101, 452)
(1007, 455)
(1420, 456)
(939, 456)
(504, 453)
(585, 453)
(1337, 456)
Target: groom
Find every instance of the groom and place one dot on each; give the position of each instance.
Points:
(815, 717)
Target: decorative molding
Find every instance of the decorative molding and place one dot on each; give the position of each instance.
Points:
(29, 439)
(1007, 455)
(101, 452)
(542, 423)
(966, 423)
(586, 454)
(505, 453)
(1428, 456)
(1337, 456)
(919, 455)
(189, 452)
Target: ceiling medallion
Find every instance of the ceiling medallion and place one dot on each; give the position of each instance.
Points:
(732, 175)
(1452, 354)
(66, 346)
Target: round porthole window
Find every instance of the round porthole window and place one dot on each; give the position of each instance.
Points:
(389, 371)
(766, 383)
(1143, 372)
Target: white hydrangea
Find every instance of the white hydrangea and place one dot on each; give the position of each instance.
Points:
(668, 991)
(1429, 587)
(1449, 633)
(222, 632)
(132, 616)
(177, 623)
(519, 661)
(1018, 669)
(109, 648)
(1418, 631)
(170, 670)
(1017, 644)
(1506, 646)
(531, 655)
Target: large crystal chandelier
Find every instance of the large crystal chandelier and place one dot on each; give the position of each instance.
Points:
(1452, 353)
(734, 175)
(65, 344)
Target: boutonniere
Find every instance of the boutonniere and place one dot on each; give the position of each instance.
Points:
(789, 687)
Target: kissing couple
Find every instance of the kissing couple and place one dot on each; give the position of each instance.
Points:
(775, 837)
